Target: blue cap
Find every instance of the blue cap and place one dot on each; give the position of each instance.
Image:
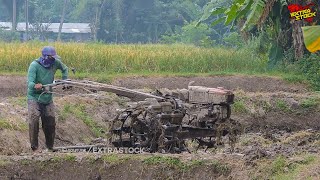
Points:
(49, 51)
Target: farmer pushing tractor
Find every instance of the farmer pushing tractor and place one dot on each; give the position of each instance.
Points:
(40, 105)
(157, 122)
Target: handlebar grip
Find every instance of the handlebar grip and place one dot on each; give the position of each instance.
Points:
(46, 88)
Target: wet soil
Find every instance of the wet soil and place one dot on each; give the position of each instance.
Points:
(267, 135)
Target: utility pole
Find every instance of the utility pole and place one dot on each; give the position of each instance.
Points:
(27, 19)
(14, 15)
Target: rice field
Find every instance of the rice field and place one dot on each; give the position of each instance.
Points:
(133, 58)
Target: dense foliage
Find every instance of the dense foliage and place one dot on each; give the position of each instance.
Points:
(310, 66)
(121, 21)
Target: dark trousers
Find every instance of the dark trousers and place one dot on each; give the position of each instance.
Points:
(46, 112)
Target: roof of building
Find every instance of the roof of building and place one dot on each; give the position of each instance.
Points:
(52, 27)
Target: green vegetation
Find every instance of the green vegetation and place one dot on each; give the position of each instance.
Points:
(19, 101)
(283, 168)
(169, 161)
(56, 159)
(26, 161)
(177, 163)
(103, 62)
(66, 157)
(311, 68)
(266, 106)
(111, 158)
(70, 157)
(282, 105)
(100, 58)
(63, 114)
(4, 162)
(79, 111)
(310, 103)
(13, 125)
(221, 168)
(239, 106)
(114, 158)
(279, 165)
(8, 36)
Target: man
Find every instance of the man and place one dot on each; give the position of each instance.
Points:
(41, 72)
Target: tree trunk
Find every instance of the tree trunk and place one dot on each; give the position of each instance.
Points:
(62, 19)
(96, 22)
(27, 19)
(14, 15)
(297, 39)
(97, 19)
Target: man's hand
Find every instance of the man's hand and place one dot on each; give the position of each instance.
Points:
(38, 86)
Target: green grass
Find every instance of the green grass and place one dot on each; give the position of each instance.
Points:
(25, 161)
(169, 161)
(283, 168)
(279, 165)
(19, 101)
(56, 159)
(282, 105)
(63, 114)
(70, 157)
(113, 159)
(239, 106)
(221, 168)
(63, 158)
(184, 166)
(18, 126)
(79, 111)
(310, 103)
(4, 162)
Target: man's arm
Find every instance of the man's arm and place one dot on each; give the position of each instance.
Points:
(32, 73)
(64, 70)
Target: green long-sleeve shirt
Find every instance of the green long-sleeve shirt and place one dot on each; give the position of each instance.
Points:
(38, 74)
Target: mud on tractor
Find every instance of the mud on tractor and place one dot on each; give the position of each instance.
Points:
(161, 122)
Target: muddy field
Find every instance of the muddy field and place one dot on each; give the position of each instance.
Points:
(281, 138)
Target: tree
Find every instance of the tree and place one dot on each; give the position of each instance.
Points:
(190, 34)
(62, 19)
(113, 21)
(8, 8)
(89, 11)
(259, 15)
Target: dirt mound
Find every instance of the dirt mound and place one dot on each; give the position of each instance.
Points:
(80, 120)
(12, 86)
(127, 167)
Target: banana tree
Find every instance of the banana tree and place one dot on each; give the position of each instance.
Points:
(260, 15)
(311, 36)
